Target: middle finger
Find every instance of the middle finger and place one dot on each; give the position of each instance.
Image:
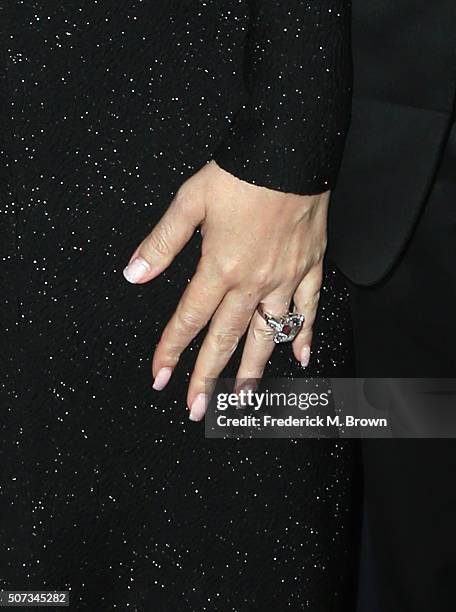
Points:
(196, 306)
(227, 327)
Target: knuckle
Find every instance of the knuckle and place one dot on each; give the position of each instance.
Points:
(167, 349)
(311, 301)
(235, 271)
(189, 320)
(160, 239)
(225, 342)
(262, 278)
(171, 354)
(229, 270)
(262, 335)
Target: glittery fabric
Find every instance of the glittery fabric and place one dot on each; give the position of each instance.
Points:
(290, 130)
(107, 488)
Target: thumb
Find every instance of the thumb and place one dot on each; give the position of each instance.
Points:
(169, 236)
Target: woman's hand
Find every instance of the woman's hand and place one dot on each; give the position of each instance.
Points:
(259, 245)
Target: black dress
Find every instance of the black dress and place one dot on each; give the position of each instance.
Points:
(107, 488)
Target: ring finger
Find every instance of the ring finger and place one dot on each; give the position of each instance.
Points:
(259, 343)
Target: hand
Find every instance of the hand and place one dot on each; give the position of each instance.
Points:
(259, 245)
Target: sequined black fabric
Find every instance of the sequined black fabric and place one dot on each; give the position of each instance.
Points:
(290, 130)
(107, 488)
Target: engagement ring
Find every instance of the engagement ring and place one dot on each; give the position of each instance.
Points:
(286, 327)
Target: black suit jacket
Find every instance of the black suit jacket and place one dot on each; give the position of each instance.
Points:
(404, 56)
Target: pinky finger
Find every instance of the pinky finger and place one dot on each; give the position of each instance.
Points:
(306, 300)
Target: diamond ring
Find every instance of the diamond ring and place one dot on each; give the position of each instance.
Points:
(286, 327)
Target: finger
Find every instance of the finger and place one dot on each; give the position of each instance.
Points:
(160, 247)
(227, 328)
(195, 308)
(259, 343)
(306, 299)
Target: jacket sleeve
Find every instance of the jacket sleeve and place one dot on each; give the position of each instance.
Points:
(289, 133)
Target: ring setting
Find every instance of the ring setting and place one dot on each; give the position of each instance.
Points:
(286, 327)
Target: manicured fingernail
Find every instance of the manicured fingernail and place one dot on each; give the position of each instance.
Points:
(136, 270)
(198, 407)
(305, 356)
(246, 387)
(162, 378)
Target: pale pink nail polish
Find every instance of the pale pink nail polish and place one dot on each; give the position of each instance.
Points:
(136, 270)
(162, 378)
(198, 407)
(305, 356)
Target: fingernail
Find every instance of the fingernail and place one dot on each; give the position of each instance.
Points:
(198, 407)
(305, 356)
(136, 270)
(162, 378)
(246, 387)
